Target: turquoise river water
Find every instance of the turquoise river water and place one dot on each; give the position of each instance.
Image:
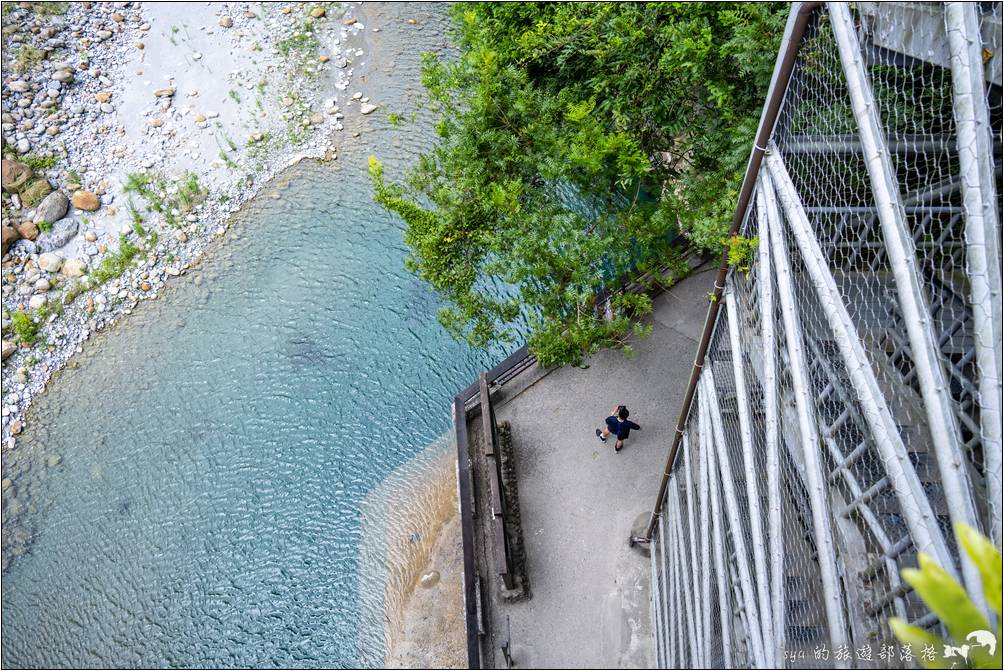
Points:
(192, 490)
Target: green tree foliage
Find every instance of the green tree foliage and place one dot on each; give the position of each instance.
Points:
(958, 613)
(575, 140)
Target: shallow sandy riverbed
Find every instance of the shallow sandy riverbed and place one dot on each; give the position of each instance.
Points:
(411, 529)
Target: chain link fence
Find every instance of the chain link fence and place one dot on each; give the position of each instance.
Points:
(847, 412)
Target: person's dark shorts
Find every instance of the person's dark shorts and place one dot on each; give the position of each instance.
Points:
(614, 427)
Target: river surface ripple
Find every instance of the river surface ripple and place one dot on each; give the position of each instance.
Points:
(190, 495)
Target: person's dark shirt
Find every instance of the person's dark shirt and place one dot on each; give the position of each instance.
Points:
(621, 428)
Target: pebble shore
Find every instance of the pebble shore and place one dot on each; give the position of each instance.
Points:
(132, 133)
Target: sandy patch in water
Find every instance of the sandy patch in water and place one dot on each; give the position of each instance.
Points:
(411, 527)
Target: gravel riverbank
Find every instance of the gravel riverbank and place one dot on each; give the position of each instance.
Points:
(132, 132)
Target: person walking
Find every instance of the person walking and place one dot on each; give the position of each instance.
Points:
(619, 425)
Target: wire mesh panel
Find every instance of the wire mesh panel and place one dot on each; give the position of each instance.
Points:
(848, 407)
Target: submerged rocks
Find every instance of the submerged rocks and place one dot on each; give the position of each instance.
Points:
(429, 579)
(52, 208)
(367, 108)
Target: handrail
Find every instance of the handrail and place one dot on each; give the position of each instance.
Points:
(489, 430)
(500, 374)
(798, 21)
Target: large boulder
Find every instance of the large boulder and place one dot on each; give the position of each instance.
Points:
(9, 347)
(86, 200)
(15, 175)
(10, 234)
(61, 233)
(52, 208)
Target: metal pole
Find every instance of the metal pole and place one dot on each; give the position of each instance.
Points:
(679, 596)
(674, 570)
(688, 591)
(775, 528)
(656, 614)
(725, 610)
(903, 261)
(735, 522)
(666, 586)
(702, 497)
(752, 488)
(815, 479)
(913, 500)
(695, 566)
(798, 20)
(982, 234)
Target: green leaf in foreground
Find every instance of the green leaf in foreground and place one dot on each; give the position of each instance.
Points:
(966, 624)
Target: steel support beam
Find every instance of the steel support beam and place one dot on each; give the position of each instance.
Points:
(752, 483)
(926, 355)
(686, 591)
(775, 525)
(663, 604)
(979, 197)
(702, 502)
(668, 587)
(656, 611)
(749, 594)
(724, 591)
(815, 478)
(695, 566)
(680, 625)
(913, 500)
(851, 144)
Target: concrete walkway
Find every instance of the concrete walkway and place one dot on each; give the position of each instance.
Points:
(579, 500)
